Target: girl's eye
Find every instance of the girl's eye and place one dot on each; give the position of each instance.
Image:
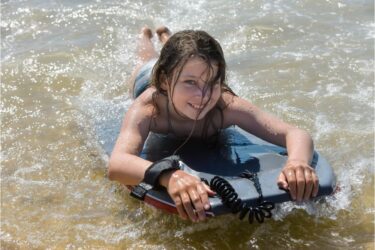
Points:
(190, 82)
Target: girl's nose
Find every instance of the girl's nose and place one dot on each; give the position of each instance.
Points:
(204, 93)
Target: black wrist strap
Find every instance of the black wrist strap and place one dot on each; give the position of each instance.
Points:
(152, 174)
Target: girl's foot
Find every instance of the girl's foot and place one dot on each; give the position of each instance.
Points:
(146, 32)
(163, 33)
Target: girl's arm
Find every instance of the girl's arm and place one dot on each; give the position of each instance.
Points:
(297, 175)
(125, 165)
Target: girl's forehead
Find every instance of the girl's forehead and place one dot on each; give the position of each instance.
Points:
(197, 67)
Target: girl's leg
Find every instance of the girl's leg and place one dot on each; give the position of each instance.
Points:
(145, 52)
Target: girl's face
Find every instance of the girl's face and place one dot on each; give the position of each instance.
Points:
(193, 97)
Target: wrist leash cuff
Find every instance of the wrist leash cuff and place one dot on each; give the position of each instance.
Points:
(152, 174)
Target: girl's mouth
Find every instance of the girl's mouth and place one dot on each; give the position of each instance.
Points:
(197, 107)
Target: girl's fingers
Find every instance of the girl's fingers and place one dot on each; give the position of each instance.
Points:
(180, 208)
(281, 181)
(315, 180)
(209, 191)
(203, 191)
(300, 180)
(309, 184)
(291, 178)
(186, 202)
(196, 200)
(190, 196)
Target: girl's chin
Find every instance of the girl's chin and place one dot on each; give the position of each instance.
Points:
(194, 115)
(197, 117)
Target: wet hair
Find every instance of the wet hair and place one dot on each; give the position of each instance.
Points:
(174, 55)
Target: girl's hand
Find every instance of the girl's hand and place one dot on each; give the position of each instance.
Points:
(300, 179)
(188, 194)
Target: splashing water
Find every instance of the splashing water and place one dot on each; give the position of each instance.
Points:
(65, 72)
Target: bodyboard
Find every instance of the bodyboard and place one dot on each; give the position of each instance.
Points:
(233, 152)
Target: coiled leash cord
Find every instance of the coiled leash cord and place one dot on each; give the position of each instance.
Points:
(229, 197)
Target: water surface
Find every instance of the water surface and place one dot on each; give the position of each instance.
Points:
(65, 67)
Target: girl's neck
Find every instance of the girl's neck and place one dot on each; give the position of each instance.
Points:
(175, 115)
(175, 120)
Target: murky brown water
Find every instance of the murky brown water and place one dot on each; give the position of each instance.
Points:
(64, 64)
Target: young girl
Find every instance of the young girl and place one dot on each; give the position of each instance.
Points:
(187, 96)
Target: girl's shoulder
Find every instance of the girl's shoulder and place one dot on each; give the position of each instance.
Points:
(228, 100)
(237, 109)
(149, 106)
(146, 96)
(149, 99)
(233, 102)
(143, 105)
